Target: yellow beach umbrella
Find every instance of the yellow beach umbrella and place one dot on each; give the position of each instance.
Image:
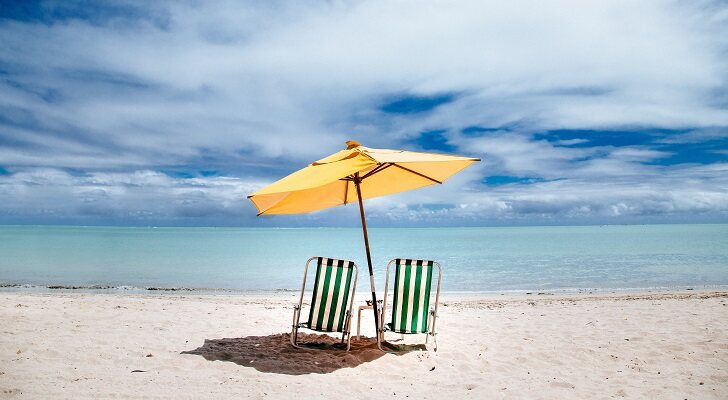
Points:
(355, 174)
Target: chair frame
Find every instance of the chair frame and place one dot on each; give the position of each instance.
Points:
(431, 314)
(346, 334)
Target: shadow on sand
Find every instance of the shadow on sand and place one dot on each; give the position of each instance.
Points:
(274, 353)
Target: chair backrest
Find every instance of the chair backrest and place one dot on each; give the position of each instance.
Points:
(330, 294)
(410, 307)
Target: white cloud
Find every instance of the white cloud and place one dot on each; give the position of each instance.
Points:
(228, 76)
(257, 89)
(137, 196)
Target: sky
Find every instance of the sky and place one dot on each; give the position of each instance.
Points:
(170, 113)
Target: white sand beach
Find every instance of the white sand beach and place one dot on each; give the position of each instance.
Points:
(652, 345)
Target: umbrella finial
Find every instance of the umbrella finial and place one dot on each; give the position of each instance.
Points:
(350, 144)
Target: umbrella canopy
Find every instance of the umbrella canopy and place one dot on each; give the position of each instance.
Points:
(355, 174)
(329, 182)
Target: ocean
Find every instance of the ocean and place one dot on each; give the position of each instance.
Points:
(491, 259)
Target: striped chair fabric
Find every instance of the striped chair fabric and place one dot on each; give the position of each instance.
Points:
(410, 308)
(330, 295)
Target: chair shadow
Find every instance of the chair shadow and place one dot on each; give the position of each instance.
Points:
(322, 354)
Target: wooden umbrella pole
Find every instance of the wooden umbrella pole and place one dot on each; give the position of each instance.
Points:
(357, 182)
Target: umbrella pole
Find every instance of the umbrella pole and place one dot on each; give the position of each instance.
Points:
(375, 306)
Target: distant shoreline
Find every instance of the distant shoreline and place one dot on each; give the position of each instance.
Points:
(358, 228)
(156, 290)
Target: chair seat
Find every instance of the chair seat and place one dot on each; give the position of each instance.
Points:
(307, 326)
(388, 328)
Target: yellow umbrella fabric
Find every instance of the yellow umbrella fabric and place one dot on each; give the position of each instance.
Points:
(330, 181)
(355, 174)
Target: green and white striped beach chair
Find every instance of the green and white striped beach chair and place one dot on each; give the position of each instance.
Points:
(411, 312)
(333, 296)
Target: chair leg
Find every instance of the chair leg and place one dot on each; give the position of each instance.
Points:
(347, 317)
(380, 330)
(348, 330)
(380, 333)
(432, 331)
(294, 328)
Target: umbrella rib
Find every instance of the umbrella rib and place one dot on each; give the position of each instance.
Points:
(416, 173)
(346, 191)
(379, 168)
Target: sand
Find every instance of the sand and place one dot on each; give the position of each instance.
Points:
(73, 345)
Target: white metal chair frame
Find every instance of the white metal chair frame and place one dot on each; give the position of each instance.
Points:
(297, 309)
(432, 313)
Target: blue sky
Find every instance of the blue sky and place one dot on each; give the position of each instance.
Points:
(171, 113)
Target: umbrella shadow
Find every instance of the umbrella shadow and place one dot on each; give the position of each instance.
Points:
(322, 354)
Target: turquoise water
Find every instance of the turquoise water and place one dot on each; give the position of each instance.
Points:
(474, 259)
